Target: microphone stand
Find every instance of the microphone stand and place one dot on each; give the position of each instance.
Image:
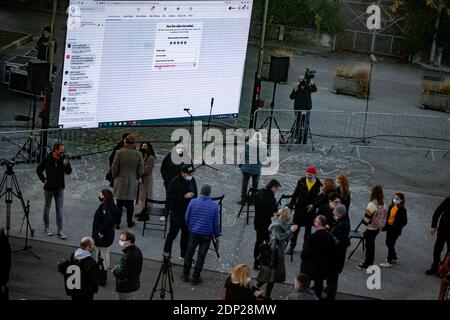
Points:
(203, 142)
(191, 125)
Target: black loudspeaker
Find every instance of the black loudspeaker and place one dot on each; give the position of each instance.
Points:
(279, 69)
(38, 75)
(18, 80)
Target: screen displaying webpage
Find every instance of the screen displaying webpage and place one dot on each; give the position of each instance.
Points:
(139, 62)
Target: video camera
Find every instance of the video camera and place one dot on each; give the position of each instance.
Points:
(309, 74)
(6, 162)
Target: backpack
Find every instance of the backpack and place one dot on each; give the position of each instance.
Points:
(379, 217)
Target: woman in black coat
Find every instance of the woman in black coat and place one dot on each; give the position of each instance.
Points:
(395, 222)
(103, 228)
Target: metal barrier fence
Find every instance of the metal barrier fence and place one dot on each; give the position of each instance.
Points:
(360, 130)
(325, 128)
(26, 147)
(397, 131)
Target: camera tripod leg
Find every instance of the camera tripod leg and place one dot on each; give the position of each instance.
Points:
(157, 281)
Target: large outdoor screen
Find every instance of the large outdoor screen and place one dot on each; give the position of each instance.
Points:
(137, 62)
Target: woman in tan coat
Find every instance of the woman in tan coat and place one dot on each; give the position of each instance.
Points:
(146, 187)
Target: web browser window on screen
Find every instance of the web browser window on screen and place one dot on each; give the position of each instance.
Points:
(136, 62)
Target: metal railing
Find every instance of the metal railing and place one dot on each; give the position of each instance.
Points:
(26, 147)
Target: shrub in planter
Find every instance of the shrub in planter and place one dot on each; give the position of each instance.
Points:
(436, 96)
(352, 81)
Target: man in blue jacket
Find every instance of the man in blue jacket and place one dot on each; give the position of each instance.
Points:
(202, 219)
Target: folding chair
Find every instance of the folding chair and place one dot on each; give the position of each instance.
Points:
(249, 201)
(355, 234)
(153, 215)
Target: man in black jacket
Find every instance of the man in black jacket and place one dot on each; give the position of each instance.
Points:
(5, 264)
(327, 209)
(318, 255)
(341, 231)
(441, 215)
(182, 189)
(171, 165)
(129, 270)
(56, 166)
(304, 197)
(301, 95)
(265, 208)
(43, 44)
(82, 258)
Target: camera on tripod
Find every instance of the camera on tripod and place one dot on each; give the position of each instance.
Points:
(309, 75)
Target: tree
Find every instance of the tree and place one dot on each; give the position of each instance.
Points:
(426, 23)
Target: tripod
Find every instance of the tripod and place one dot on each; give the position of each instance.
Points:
(7, 184)
(270, 118)
(167, 276)
(298, 130)
(203, 142)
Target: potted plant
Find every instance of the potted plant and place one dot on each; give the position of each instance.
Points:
(436, 96)
(354, 82)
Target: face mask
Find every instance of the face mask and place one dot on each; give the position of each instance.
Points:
(311, 179)
(188, 178)
(122, 243)
(249, 280)
(179, 151)
(100, 198)
(338, 184)
(397, 201)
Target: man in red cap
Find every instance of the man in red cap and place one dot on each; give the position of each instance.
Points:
(305, 194)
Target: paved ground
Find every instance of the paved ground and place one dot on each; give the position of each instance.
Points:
(24, 284)
(396, 88)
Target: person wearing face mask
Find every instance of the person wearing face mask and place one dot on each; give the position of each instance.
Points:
(182, 189)
(280, 231)
(238, 286)
(327, 209)
(128, 272)
(127, 170)
(396, 220)
(265, 207)
(318, 255)
(171, 165)
(55, 166)
(103, 228)
(88, 268)
(146, 187)
(341, 233)
(303, 199)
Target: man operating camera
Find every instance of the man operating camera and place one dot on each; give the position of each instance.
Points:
(301, 95)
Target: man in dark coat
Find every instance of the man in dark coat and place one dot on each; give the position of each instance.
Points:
(171, 165)
(88, 271)
(265, 208)
(440, 226)
(301, 95)
(341, 231)
(43, 44)
(128, 272)
(182, 189)
(318, 255)
(5, 264)
(55, 166)
(304, 197)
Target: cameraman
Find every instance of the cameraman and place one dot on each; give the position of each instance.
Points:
(301, 95)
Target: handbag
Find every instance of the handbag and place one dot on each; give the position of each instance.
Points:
(101, 272)
(268, 256)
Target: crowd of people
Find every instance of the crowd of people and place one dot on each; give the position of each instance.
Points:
(324, 206)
